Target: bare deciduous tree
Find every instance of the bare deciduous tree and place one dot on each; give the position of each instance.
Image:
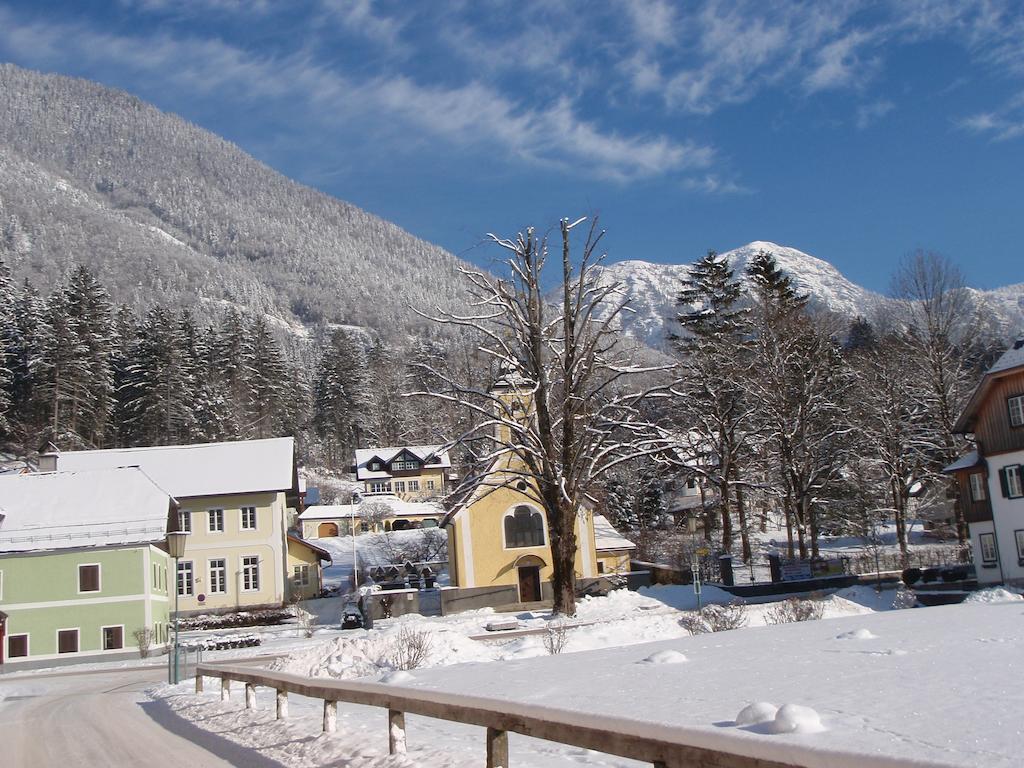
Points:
(564, 417)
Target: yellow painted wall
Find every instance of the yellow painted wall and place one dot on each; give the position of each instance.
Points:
(311, 528)
(482, 559)
(426, 473)
(299, 556)
(232, 544)
(615, 561)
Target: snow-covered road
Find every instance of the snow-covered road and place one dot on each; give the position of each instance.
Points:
(103, 719)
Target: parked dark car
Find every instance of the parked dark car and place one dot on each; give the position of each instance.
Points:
(351, 618)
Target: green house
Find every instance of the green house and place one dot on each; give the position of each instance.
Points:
(83, 571)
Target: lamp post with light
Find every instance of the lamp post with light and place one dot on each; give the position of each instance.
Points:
(176, 548)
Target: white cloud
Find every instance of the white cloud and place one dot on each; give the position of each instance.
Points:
(869, 114)
(711, 184)
(839, 65)
(653, 22)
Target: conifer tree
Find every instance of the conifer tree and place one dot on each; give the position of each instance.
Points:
(268, 383)
(8, 336)
(341, 398)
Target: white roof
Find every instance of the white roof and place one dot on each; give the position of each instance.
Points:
(1011, 358)
(61, 510)
(204, 469)
(607, 537)
(421, 452)
(967, 461)
(399, 508)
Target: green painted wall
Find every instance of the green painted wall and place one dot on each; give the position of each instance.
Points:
(40, 596)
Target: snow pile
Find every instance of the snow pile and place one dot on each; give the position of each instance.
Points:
(993, 595)
(756, 713)
(666, 656)
(794, 718)
(682, 598)
(362, 653)
(858, 634)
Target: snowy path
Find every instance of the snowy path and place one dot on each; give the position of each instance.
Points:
(103, 719)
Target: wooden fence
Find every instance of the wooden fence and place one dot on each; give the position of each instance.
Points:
(662, 746)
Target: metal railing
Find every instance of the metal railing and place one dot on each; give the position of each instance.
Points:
(661, 745)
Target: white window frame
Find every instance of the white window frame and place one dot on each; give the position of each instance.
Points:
(112, 626)
(223, 577)
(243, 513)
(987, 541)
(414, 486)
(185, 520)
(399, 486)
(185, 565)
(380, 486)
(300, 575)
(375, 466)
(28, 646)
(978, 490)
(1015, 410)
(404, 464)
(430, 485)
(245, 572)
(1014, 481)
(216, 513)
(78, 640)
(99, 579)
(1018, 535)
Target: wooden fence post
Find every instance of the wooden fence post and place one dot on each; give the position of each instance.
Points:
(282, 705)
(199, 683)
(225, 689)
(330, 716)
(250, 696)
(396, 732)
(497, 748)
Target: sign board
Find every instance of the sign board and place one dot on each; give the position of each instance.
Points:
(796, 571)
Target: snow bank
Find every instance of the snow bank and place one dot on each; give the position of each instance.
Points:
(794, 718)
(993, 595)
(667, 656)
(857, 634)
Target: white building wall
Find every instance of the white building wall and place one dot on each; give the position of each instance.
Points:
(1008, 517)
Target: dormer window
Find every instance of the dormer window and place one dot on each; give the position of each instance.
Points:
(1015, 405)
(398, 466)
(375, 466)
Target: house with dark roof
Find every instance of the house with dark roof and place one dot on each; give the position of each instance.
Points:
(991, 478)
(410, 472)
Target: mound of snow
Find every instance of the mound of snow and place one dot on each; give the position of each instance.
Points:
(857, 634)
(681, 596)
(993, 595)
(398, 677)
(667, 656)
(758, 712)
(794, 718)
(363, 653)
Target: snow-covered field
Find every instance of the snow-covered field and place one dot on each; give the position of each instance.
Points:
(931, 686)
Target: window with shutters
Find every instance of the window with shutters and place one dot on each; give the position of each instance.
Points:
(987, 543)
(1015, 405)
(113, 638)
(1012, 480)
(89, 578)
(524, 527)
(218, 576)
(67, 641)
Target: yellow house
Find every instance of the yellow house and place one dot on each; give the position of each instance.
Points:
(498, 540)
(375, 514)
(410, 472)
(613, 550)
(306, 576)
(233, 502)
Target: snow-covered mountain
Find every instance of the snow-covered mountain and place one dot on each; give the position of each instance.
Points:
(653, 289)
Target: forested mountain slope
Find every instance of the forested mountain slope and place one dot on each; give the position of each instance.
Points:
(161, 209)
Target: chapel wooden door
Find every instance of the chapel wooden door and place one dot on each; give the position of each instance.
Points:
(529, 583)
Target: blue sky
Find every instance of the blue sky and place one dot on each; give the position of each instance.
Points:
(855, 131)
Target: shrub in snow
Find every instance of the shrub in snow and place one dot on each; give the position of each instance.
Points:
(794, 609)
(412, 648)
(904, 598)
(144, 639)
(667, 656)
(556, 636)
(758, 712)
(911, 576)
(239, 619)
(715, 618)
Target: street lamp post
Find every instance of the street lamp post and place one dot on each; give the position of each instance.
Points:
(176, 548)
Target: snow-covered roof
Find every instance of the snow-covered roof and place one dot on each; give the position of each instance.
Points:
(1011, 361)
(398, 507)
(1011, 358)
(607, 537)
(364, 456)
(967, 461)
(89, 508)
(204, 469)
